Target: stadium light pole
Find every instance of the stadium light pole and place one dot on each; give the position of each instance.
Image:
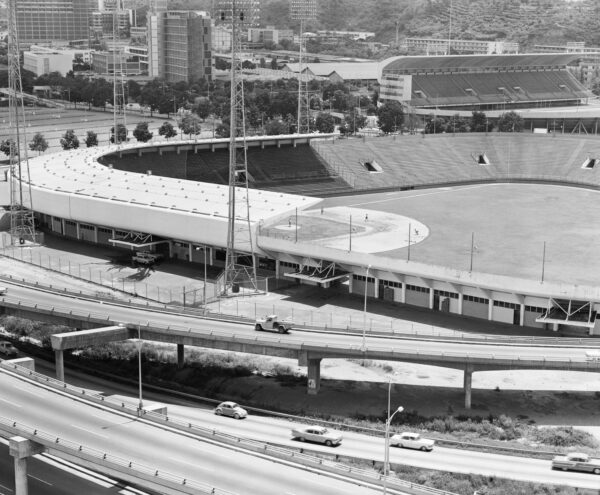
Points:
(139, 343)
(386, 454)
(364, 336)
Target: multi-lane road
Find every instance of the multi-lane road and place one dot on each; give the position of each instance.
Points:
(144, 444)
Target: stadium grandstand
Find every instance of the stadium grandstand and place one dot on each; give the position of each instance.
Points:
(482, 82)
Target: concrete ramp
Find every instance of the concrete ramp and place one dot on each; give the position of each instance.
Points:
(88, 338)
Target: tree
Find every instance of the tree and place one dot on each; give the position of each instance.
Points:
(274, 63)
(325, 123)
(190, 124)
(222, 130)
(480, 122)
(390, 116)
(91, 139)
(203, 108)
(510, 122)
(7, 145)
(38, 143)
(141, 132)
(69, 141)
(121, 133)
(275, 127)
(435, 125)
(167, 130)
(354, 121)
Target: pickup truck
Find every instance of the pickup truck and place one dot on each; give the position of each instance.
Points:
(271, 322)
(576, 461)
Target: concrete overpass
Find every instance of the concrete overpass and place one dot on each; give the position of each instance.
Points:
(309, 348)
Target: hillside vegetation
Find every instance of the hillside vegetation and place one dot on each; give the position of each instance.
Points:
(526, 21)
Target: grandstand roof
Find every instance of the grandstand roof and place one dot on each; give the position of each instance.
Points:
(345, 70)
(463, 62)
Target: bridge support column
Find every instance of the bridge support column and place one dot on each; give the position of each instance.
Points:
(461, 299)
(180, 355)
(22, 448)
(376, 288)
(277, 269)
(431, 298)
(522, 315)
(59, 364)
(403, 293)
(468, 378)
(314, 376)
(490, 309)
(350, 284)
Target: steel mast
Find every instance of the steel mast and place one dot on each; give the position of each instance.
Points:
(22, 224)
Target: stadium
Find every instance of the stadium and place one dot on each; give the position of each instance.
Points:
(498, 227)
(486, 225)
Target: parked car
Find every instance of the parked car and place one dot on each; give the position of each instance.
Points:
(410, 440)
(8, 350)
(271, 322)
(317, 434)
(3, 291)
(576, 461)
(231, 409)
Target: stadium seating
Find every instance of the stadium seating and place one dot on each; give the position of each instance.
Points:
(497, 87)
(412, 161)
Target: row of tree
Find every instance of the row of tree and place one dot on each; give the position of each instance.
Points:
(478, 122)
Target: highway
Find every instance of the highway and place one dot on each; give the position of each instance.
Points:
(51, 476)
(277, 431)
(456, 352)
(179, 455)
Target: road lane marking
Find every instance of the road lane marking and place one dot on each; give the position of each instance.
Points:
(10, 402)
(195, 466)
(40, 480)
(88, 431)
(22, 389)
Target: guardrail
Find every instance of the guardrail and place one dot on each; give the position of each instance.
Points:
(110, 461)
(408, 331)
(247, 444)
(338, 350)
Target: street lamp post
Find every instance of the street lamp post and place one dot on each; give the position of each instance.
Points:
(139, 343)
(365, 310)
(386, 462)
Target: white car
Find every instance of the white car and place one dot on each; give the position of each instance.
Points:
(3, 291)
(410, 440)
(317, 434)
(592, 355)
(231, 409)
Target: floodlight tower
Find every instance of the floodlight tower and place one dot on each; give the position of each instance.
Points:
(118, 76)
(238, 14)
(303, 10)
(22, 225)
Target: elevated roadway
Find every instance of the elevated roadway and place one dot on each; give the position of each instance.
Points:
(138, 442)
(309, 348)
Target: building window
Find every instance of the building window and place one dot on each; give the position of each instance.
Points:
(480, 300)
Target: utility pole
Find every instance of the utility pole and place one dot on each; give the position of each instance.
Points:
(238, 13)
(303, 10)
(22, 226)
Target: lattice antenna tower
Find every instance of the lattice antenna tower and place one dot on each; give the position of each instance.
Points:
(119, 118)
(238, 14)
(22, 224)
(303, 10)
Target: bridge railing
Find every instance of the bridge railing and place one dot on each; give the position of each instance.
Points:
(274, 451)
(137, 470)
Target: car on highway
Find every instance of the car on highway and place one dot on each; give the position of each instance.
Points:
(577, 461)
(231, 409)
(8, 350)
(3, 291)
(409, 440)
(273, 323)
(317, 434)
(592, 355)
